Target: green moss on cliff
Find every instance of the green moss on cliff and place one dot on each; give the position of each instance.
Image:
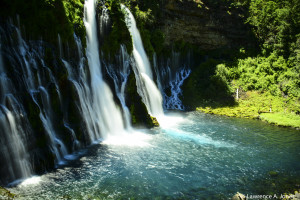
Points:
(119, 33)
(6, 194)
(47, 18)
(138, 110)
(147, 15)
(74, 13)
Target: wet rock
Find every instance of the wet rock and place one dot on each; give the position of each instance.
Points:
(6, 194)
(273, 173)
(138, 110)
(154, 121)
(238, 196)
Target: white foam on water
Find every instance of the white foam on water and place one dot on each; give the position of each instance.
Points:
(171, 120)
(132, 139)
(34, 180)
(200, 139)
(31, 181)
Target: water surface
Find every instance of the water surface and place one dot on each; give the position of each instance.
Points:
(204, 157)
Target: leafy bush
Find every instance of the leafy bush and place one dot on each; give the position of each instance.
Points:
(119, 33)
(275, 23)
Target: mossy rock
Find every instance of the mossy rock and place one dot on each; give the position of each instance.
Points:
(117, 33)
(138, 110)
(154, 121)
(6, 194)
(273, 173)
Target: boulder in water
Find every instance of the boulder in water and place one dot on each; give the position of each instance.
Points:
(154, 122)
(238, 196)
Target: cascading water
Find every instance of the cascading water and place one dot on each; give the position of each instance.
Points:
(119, 73)
(171, 82)
(36, 111)
(13, 144)
(84, 94)
(143, 73)
(173, 101)
(108, 115)
(29, 59)
(46, 115)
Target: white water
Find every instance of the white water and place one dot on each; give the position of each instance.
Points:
(171, 82)
(108, 115)
(15, 154)
(57, 146)
(173, 101)
(119, 73)
(13, 141)
(146, 87)
(30, 60)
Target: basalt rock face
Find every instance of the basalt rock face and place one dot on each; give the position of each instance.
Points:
(138, 110)
(204, 24)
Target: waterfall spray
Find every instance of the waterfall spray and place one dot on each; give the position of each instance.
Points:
(146, 87)
(119, 73)
(108, 115)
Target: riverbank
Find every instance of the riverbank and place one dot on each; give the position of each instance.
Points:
(6, 194)
(252, 105)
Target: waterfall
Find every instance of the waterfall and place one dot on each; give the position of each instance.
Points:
(170, 78)
(173, 101)
(108, 115)
(53, 103)
(85, 101)
(46, 116)
(30, 59)
(119, 73)
(13, 141)
(146, 87)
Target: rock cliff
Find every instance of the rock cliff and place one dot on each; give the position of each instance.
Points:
(204, 24)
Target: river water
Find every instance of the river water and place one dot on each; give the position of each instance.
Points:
(199, 157)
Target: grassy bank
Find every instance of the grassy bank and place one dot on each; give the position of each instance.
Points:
(253, 105)
(281, 119)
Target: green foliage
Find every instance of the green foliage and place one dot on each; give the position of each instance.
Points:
(208, 82)
(6, 194)
(47, 18)
(143, 17)
(220, 79)
(157, 41)
(147, 14)
(74, 13)
(272, 74)
(282, 119)
(258, 105)
(275, 23)
(275, 72)
(119, 33)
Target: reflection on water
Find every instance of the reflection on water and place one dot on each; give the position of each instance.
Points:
(201, 157)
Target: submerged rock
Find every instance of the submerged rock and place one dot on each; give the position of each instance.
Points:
(239, 196)
(154, 121)
(273, 173)
(6, 194)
